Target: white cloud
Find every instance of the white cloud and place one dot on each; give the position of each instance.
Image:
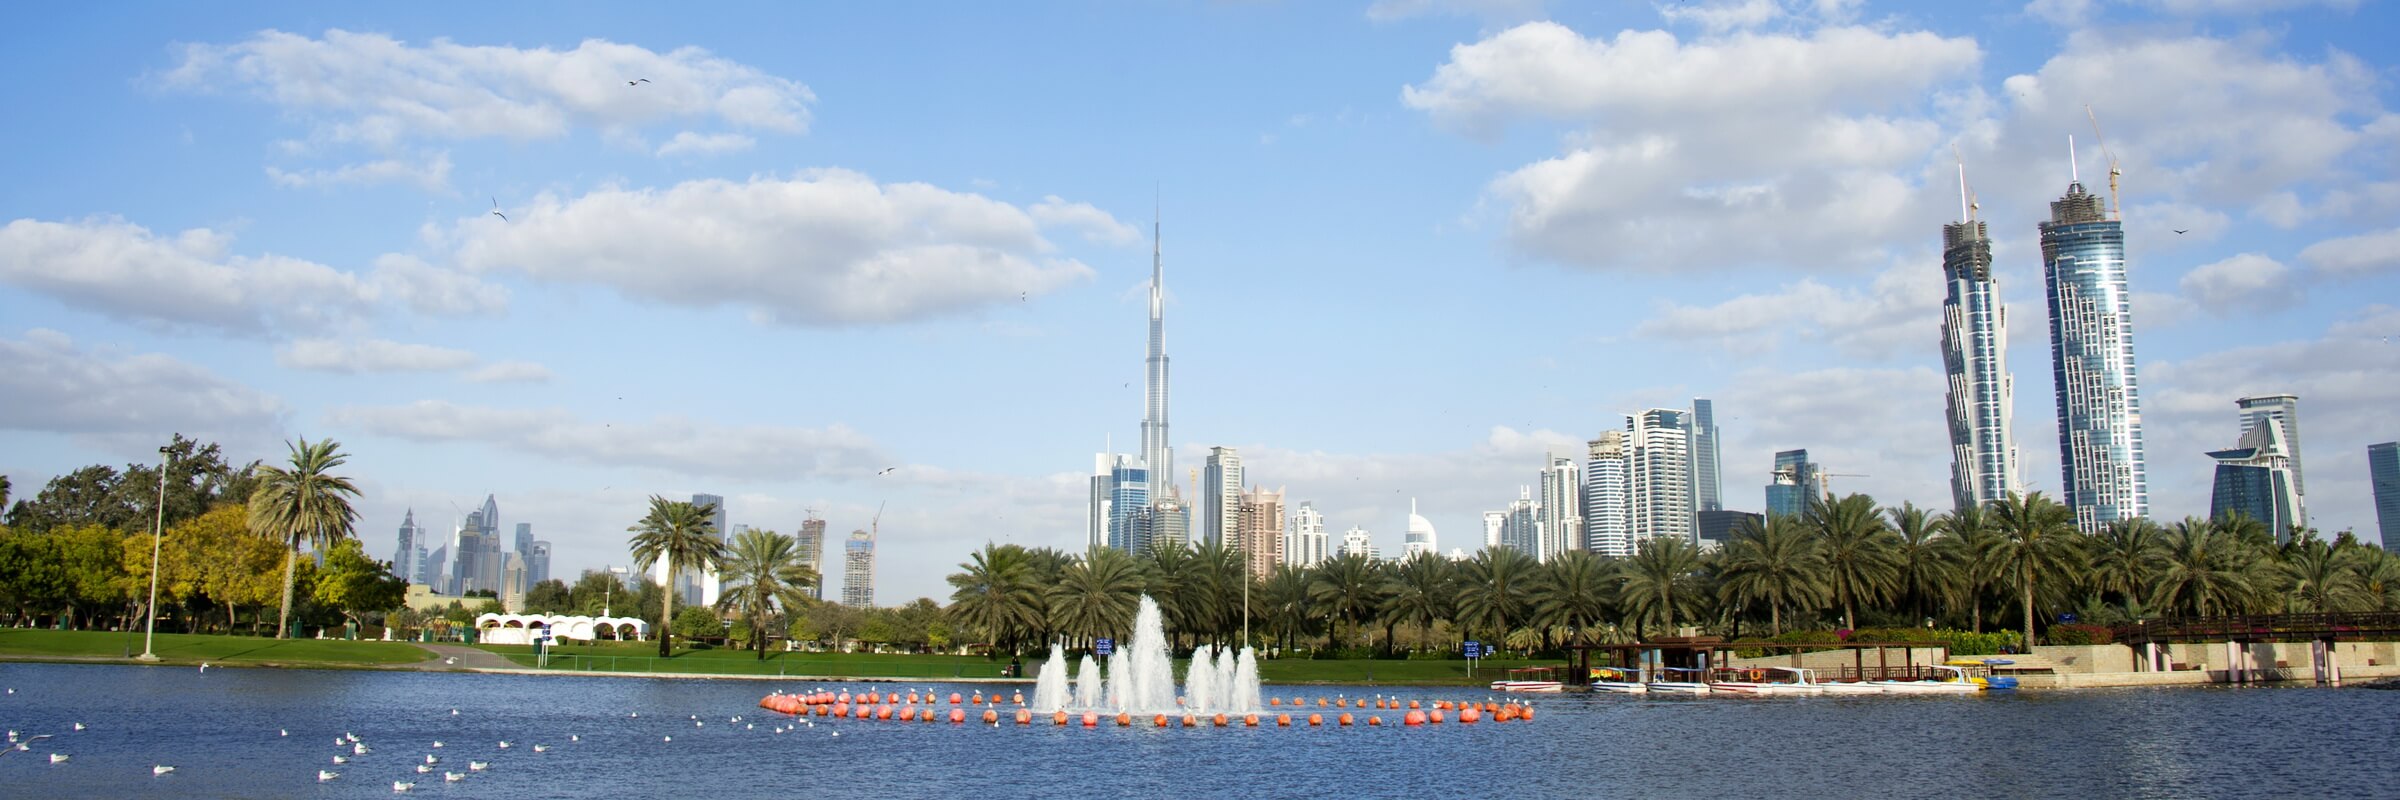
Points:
(371, 88)
(824, 248)
(2247, 282)
(54, 386)
(2364, 254)
(511, 372)
(432, 174)
(372, 355)
(1096, 225)
(1724, 16)
(2196, 8)
(122, 270)
(711, 144)
(671, 444)
(1883, 431)
(1898, 312)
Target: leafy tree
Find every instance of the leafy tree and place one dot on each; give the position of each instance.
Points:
(306, 503)
(1775, 563)
(833, 623)
(2037, 540)
(1098, 595)
(549, 597)
(86, 496)
(1418, 592)
(764, 577)
(2319, 578)
(684, 536)
(1577, 590)
(694, 622)
(357, 585)
(596, 593)
(2378, 579)
(1495, 590)
(1174, 583)
(1857, 548)
(2203, 570)
(1347, 587)
(1927, 571)
(1282, 602)
(198, 479)
(2123, 558)
(1659, 584)
(996, 595)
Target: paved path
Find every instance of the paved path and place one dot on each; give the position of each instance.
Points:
(456, 657)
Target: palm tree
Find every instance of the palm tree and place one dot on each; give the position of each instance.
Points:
(1576, 591)
(1418, 592)
(1968, 541)
(1347, 587)
(2379, 579)
(1171, 580)
(997, 594)
(2319, 578)
(2124, 557)
(1282, 602)
(1098, 595)
(305, 503)
(2203, 570)
(1658, 582)
(684, 536)
(2037, 540)
(1776, 564)
(1927, 569)
(1859, 564)
(764, 578)
(1495, 590)
(1215, 578)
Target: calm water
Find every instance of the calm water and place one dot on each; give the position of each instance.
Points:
(219, 730)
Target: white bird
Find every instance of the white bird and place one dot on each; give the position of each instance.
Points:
(12, 737)
(837, 734)
(282, 732)
(422, 769)
(454, 659)
(478, 766)
(541, 748)
(79, 726)
(350, 737)
(750, 727)
(340, 742)
(429, 759)
(454, 777)
(358, 749)
(577, 737)
(204, 667)
(635, 715)
(666, 738)
(503, 745)
(696, 724)
(437, 742)
(340, 760)
(161, 769)
(402, 786)
(58, 758)
(454, 712)
(324, 775)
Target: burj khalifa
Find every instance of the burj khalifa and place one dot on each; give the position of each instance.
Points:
(1134, 502)
(1156, 455)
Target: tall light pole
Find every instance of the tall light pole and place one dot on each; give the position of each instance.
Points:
(158, 526)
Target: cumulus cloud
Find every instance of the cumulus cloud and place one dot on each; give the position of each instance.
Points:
(372, 355)
(2349, 256)
(823, 248)
(1725, 16)
(55, 386)
(431, 174)
(511, 372)
(1096, 225)
(380, 91)
(1721, 151)
(2246, 282)
(670, 444)
(191, 280)
(709, 144)
(1899, 310)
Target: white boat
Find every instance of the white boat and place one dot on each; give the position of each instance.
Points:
(1536, 687)
(1951, 680)
(1618, 681)
(1858, 687)
(1771, 681)
(1680, 687)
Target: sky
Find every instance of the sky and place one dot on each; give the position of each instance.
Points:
(888, 262)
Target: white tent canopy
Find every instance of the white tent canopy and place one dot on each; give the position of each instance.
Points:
(522, 628)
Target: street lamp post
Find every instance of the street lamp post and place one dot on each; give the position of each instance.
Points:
(158, 525)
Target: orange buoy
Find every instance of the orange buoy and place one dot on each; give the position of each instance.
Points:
(959, 715)
(1158, 720)
(926, 715)
(845, 698)
(1124, 720)
(1412, 704)
(1249, 720)
(954, 698)
(1374, 720)
(1091, 720)
(1190, 721)
(1059, 718)
(1219, 720)
(1020, 696)
(1434, 716)
(1299, 702)
(1320, 702)
(1413, 718)
(990, 716)
(883, 712)
(1469, 715)
(1024, 716)
(1283, 720)
(1343, 719)
(1274, 701)
(1526, 714)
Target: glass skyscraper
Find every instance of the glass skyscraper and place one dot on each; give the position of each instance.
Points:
(1128, 503)
(1794, 482)
(2091, 359)
(2282, 411)
(1606, 530)
(2383, 470)
(2254, 479)
(1983, 454)
(1659, 471)
(1707, 488)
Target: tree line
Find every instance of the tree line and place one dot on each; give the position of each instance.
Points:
(1845, 563)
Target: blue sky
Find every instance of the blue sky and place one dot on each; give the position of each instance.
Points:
(1410, 245)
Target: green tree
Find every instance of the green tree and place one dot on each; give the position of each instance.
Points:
(1659, 584)
(1347, 587)
(1857, 547)
(2037, 541)
(996, 593)
(1418, 592)
(86, 496)
(2202, 570)
(1775, 563)
(356, 584)
(1282, 602)
(2319, 578)
(683, 536)
(1097, 596)
(1495, 590)
(694, 622)
(1968, 540)
(303, 504)
(764, 577)
(2124, 557)
(2379, 579)
(549, 597)
(1577, 591)
(1927, 570)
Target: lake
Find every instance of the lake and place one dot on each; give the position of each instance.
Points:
(219, 729)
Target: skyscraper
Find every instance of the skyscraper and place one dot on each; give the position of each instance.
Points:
(2283, 410)
(1495, 523)
(858, 570)
(1260, 537)
(537, 565)
(2091, 361)
(1659, 471)
(1708, 489)
(2254, 479)
(1304, 540)
(1357, 542)
(1157, 456)
(812, 552)
(696, 586)
(1222, 485)
(437, 572)
(1793, 483)
(409, 563)
(1982, 394)
(1607, 528)
(2383, 471)
(1420, 535)
(524, 543)
(1128, 501)
(1521, 525)
(1560, 518)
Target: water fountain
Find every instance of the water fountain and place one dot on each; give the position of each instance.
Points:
(1140, 677)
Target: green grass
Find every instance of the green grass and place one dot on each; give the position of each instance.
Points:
(184, 648)
(643, 657)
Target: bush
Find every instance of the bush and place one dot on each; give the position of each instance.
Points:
(2081, 633)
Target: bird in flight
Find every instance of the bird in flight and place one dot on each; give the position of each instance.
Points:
(637, 81)
(887, 469)
(496, 210)
(2179, 233)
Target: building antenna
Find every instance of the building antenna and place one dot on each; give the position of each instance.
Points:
(2074, 170)
(1966, 208)
(2116, 207)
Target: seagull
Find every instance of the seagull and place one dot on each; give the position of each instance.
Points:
(203, 667)
(12, 736)
(503, 218)
(358, 749)
(478, 766)
(161, 769)
(351, 737)
(422, 769)
(58, 758)
(541, 748)
(637, 81)
(454, 712)
(79, 726)
(324, 775)
(429, 759)
(887, 469)
(575, 737)
(2182, 232)
(454, 659)
(340, 760)
(282, 733)
(503, 745)
(837, 734)
(437, 742)
(402, 786)
(454, 777)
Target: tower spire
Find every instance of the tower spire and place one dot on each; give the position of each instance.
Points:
(1157, 456)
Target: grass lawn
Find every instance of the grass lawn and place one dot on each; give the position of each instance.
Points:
(643, 657)
(184, 648)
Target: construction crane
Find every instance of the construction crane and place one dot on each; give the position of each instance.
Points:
(2116, 210)
(1824, 479)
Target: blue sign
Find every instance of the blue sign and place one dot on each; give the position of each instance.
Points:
(1104, 646)
(1474, 649)
(2068, 617)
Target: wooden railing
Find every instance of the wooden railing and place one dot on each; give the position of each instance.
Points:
(2358, 626)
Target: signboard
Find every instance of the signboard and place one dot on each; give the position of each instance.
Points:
(1104, 646)
(1473, 649)
(2067, 617)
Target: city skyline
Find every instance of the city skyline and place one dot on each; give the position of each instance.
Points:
(1422, 248)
